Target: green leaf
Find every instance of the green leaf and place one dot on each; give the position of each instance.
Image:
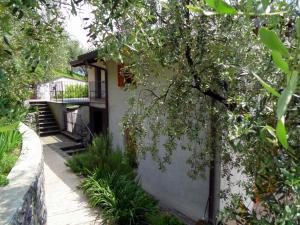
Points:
(281, 133)
(271, 41)
(221, 6)
(5, 128)
(6, 41)
(194, 9)
(2, 73)
(286, 95)
(298, 28)
(267, 86)
(271, 130)
(280, 62)
(265, 3)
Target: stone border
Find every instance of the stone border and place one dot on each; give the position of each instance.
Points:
(22, 201)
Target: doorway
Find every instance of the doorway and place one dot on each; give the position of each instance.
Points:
(99, 122)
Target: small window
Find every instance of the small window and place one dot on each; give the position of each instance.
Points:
(124, 75)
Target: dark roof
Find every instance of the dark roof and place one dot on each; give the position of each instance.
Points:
(86, 58)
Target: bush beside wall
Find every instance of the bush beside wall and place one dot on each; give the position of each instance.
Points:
(111, 185)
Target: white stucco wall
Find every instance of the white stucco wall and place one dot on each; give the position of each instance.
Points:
(77, 119)
(117, 105)
(58, 110)
(174, 188)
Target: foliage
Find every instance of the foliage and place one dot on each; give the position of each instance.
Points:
(74, 91)
(58, 73)
(9, 143)
(196, 64)
(66, 51)
(100, 155)
(111, 185)
(164, 219)
(32, 44)
(122, 201)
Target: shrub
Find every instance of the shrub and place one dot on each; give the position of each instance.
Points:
(164, 219)
(93, 157)
(111, 185)
(100, 155)
(122, 200)
(9, 142)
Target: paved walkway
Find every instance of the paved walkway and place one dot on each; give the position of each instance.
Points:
(66, 205)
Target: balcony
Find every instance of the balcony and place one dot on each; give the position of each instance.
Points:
(69, 92)
(79, 93)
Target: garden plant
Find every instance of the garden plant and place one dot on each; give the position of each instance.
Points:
(111, 184)
(235, 69)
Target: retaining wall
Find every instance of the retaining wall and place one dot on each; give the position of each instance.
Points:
(22, 201)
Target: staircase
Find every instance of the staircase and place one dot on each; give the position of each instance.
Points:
(46, 123)
(79, 147)
(74, 149)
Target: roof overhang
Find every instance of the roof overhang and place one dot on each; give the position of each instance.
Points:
(85, 59)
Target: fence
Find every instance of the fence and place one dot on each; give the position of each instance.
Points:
(70, 92)
(64, 91)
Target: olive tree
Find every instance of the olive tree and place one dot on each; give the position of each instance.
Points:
(221, 63)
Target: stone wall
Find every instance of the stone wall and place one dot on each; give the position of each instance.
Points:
(22, 201)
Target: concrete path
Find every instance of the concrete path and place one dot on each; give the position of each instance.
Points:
(66, 205)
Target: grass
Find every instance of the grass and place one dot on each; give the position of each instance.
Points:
(74, 91)
(58, 73)
(9, 152)
(111, 185)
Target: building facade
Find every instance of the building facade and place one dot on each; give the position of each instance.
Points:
(174, 188)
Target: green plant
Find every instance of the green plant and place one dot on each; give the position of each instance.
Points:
(111, 185)
(9, 143)
(164, 219)
(100, 155)
(74, 91)
(93, 157)
(122, 200)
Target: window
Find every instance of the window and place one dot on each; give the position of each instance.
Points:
(124, 75)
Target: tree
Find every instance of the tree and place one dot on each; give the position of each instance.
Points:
(217, 57)
(31, 36)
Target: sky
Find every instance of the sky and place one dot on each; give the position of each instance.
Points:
(74, 25)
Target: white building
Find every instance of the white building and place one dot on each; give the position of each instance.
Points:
(196, 199)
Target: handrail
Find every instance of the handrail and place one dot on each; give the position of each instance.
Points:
(86, 126)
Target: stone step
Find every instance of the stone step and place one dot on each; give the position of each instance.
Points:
(72, 152)
(46, 133)
(45, 112)
(47, 123)
(74, 137)
(72, 147)
(43, 121)
(48, 128)
(45, 116)
(42, 108)
(39, 104)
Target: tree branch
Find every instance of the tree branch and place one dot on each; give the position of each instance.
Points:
(217, 97)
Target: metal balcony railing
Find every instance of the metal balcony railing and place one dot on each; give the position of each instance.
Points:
(69, 92)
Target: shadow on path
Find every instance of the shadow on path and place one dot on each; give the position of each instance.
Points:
(66, 205)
